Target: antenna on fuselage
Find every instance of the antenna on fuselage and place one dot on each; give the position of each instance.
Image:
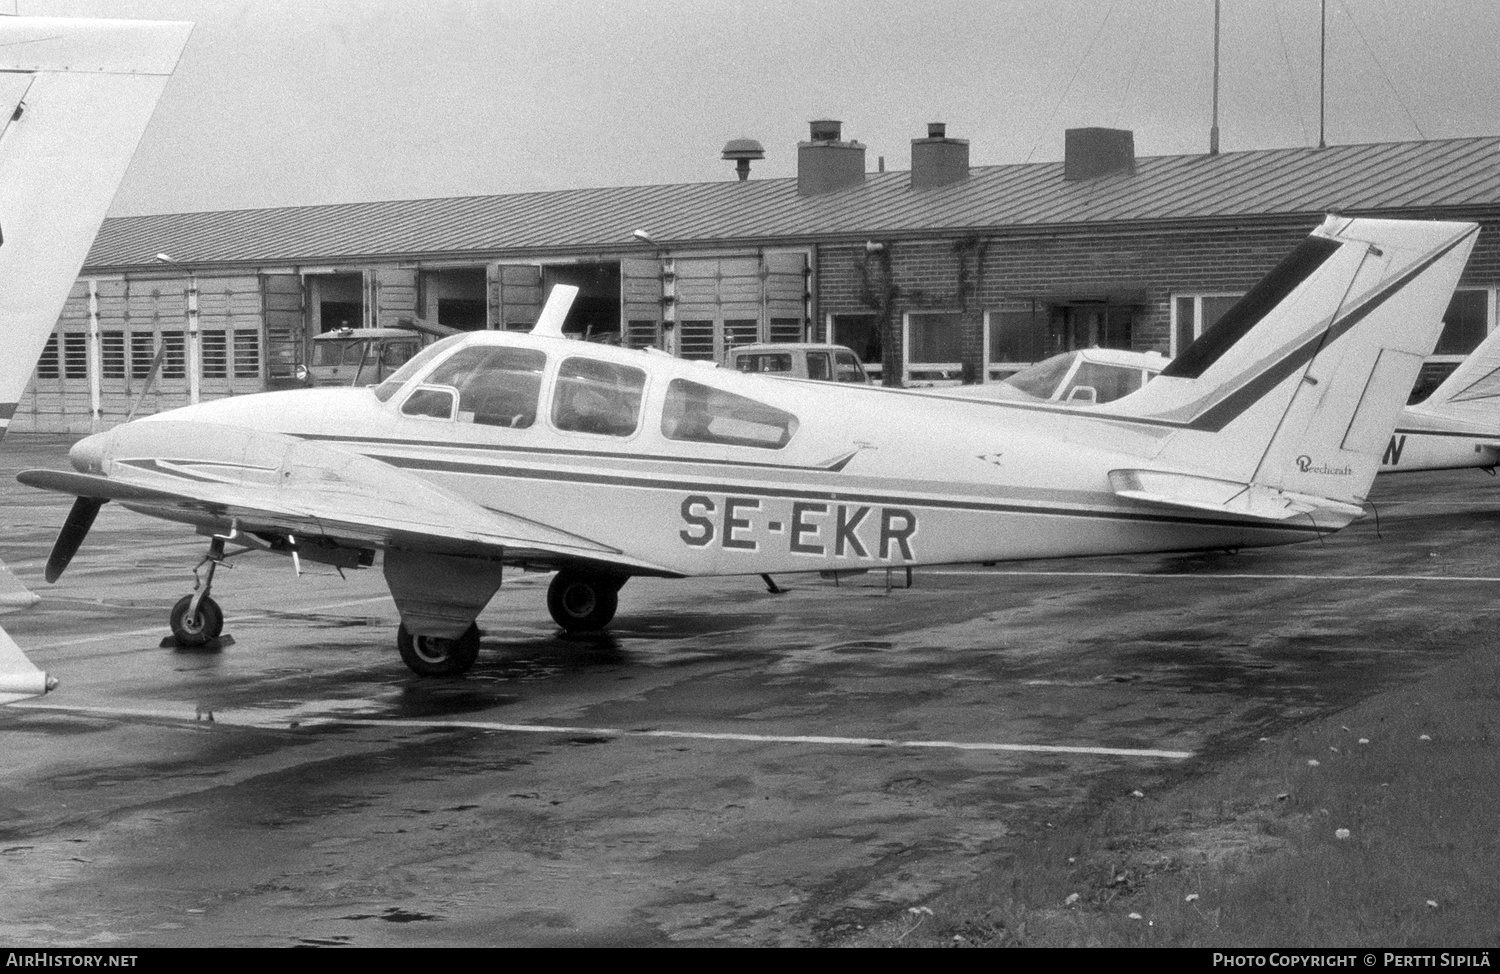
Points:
(555, 312)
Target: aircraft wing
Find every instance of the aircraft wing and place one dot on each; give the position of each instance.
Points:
(271, 484)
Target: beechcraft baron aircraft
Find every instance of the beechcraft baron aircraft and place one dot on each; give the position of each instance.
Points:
(492, 449)
(75, 97)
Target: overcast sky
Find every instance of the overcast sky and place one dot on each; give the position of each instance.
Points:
(288, 102)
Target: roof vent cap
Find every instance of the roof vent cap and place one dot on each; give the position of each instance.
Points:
(741, 151)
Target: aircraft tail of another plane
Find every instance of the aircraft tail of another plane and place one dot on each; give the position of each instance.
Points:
(1472, 391)
(1285, 405)
(75, 98)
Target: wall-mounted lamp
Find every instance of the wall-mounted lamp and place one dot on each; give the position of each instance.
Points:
(643, 237)
(874, 247)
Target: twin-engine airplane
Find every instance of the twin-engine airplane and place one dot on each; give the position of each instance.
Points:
(492, 449)
(75, 97)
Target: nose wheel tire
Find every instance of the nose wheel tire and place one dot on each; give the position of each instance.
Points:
(200, 628)
(580, 602)
(436, 656)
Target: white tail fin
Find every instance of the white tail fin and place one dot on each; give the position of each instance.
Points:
(1472, 391)
(1294, 393)
(75, 97)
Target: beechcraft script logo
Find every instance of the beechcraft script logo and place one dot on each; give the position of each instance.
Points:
(1305, 464)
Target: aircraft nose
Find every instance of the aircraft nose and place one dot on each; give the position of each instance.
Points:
(87, 455)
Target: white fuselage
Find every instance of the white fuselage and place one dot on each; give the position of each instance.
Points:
(872, 477)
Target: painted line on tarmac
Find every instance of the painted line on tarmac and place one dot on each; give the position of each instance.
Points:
(251, 617)
(1208, 575)
(282, 723)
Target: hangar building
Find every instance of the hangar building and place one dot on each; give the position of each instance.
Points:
(945, 273)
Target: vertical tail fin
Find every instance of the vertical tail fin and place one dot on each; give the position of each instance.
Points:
(75, 97)
(1296, 390)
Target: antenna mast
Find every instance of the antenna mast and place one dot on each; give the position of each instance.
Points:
(1322, 69)
(1213, 133)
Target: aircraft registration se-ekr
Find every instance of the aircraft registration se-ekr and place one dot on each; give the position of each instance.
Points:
(495, 449)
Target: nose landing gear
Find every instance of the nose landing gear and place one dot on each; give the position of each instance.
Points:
(196, 619)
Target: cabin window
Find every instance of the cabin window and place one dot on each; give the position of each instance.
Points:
(426, 401)
(698, 413)
(1108, 382)
(597, 397)
(497, 386)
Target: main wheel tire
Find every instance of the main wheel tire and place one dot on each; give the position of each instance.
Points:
(581, 602)
(202, 628)
(435, 656)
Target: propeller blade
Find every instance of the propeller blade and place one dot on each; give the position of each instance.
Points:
(74, 530)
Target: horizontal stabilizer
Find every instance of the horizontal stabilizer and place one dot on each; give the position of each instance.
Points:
(1223, 496)
(19, 677)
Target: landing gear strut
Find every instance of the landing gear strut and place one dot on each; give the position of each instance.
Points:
(196, 619)
(435, 656)
(583, 601)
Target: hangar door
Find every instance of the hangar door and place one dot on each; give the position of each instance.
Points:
(722, 302)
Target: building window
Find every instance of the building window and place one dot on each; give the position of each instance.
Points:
(112, 354)
(174, 356)
(1014, 338)
(933, 343)
(75, 355)
(695, 340)
(142, 352)
(47, 366)
(1192, 314)
(215, 354)
(1465, 323)
(246, 354)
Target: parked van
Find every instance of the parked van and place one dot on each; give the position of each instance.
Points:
(799, 360)
(366, 356)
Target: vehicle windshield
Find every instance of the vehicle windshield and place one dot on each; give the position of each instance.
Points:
(1043, 378)
(347, 352)
(390, 386)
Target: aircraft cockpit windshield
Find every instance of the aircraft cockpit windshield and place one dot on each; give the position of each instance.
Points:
(497, 385)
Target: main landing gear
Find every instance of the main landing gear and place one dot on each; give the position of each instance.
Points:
(583, 601)
(435, 656)
(196, 619)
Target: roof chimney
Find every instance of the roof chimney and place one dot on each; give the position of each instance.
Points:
(938, 160)
(1091, 153)
(825, 163)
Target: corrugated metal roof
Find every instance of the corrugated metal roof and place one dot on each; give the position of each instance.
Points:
(1462, 173)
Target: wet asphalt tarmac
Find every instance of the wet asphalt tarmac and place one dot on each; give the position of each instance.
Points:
(727, 766)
